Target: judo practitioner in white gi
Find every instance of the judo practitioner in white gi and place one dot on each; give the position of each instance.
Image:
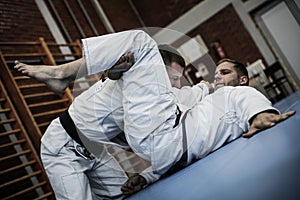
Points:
(229, 115)
(150, 120)
(72, 171)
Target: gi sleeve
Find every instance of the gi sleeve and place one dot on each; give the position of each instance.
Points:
(188, 96)
(250, 102)
(149, 175)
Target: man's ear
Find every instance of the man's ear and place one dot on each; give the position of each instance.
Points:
(243, 80)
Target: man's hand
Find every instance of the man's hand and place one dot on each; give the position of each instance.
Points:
(266, 120)
(134, 184)
(210, 87)
(124, 63)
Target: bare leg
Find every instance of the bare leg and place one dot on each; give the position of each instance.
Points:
(57, 78)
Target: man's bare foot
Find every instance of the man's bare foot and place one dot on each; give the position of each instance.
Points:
(46, 74)
(123, 65)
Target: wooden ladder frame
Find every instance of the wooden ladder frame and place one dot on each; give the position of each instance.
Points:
(16, 84)
(22, 173)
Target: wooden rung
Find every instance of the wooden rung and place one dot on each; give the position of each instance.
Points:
(19, 43)
(12, 143)
(32, 86)
(49, 112)
(7, 121)
(2, 100)
(61, 44)
(65, 54)
(27, 190)
(132, 166)
(44, 124)
(15, 155)
(48, 103)
(21, 178)
(5, 110)
(38, 95)
(24, 55)
(116, 151)
(78, 89)
(44, 196)
(21, 78)
(127, 158)
(15, 131)
(18, 167)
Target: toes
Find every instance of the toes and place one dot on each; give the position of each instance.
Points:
(129, 60)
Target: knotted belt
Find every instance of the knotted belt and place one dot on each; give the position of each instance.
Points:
(68, 124)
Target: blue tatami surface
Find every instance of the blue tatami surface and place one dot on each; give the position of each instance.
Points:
(265, 166)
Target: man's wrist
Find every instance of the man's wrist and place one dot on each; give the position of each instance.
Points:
(142, 180)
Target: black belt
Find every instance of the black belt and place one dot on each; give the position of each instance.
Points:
(178, 114)
(68, 124)
(182, 163)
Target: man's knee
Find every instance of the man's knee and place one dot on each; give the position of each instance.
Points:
(140, 35)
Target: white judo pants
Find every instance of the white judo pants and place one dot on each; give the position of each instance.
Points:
(75, 175)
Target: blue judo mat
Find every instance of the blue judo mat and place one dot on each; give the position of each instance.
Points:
(265, 166)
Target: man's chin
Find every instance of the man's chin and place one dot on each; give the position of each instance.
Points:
(219, 86)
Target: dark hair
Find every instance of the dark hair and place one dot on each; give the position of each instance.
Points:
(239, 67)
(170, 54)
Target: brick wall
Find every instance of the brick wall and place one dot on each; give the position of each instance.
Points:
(155, 13)
(160, 13)
(228, 29)
(120, 14)
(21, 20)
(70, 25)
